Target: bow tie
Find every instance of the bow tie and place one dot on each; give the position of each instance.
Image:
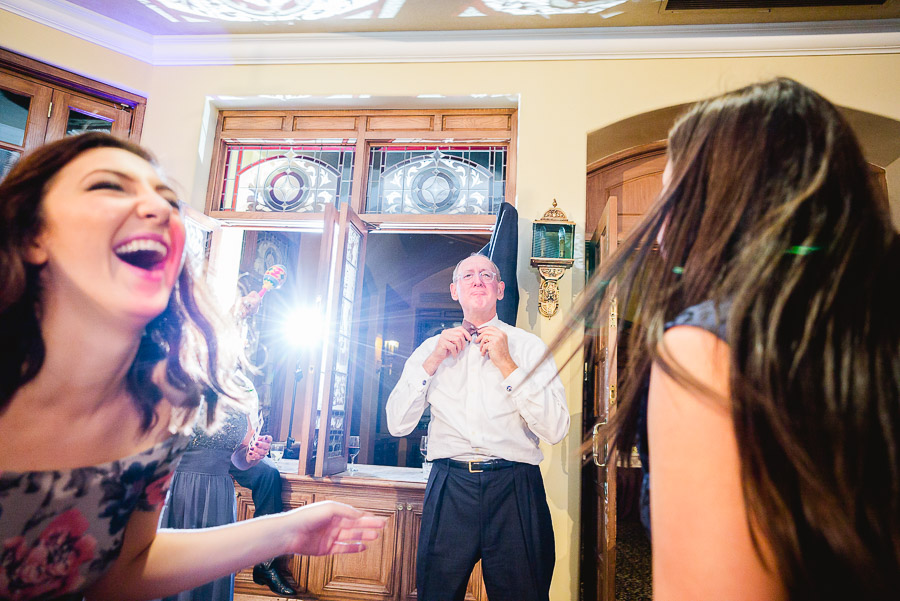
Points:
(470, 328)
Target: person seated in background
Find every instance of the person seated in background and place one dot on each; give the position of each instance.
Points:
(109, 347)
(767, 325)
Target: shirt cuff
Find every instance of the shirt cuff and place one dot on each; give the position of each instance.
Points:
(514, 380)
(419, 378)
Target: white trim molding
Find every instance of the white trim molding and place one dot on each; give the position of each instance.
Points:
(771, 39)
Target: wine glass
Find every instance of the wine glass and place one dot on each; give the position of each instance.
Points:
(276, 451)
(423, 448)
(353, 449)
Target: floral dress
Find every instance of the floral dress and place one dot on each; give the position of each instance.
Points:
(61, 530)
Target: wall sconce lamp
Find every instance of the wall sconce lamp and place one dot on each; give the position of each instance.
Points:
(552, 252)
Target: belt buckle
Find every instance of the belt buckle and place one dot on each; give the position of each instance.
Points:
(471, 471)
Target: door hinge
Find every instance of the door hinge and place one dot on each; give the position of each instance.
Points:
(612, 394)
(613, 313)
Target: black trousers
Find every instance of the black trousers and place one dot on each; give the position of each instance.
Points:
(264, 483)
(500, 517)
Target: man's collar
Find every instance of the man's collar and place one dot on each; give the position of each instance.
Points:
(491, 322)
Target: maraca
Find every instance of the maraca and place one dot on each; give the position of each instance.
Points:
(272, 279)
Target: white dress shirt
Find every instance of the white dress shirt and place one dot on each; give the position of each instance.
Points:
(476, 413)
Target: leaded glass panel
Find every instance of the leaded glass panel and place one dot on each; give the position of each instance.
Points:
(445, 180)
(287, 178)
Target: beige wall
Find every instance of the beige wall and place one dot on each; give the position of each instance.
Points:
(560, 103)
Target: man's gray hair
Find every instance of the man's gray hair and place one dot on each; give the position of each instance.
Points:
(493, 265)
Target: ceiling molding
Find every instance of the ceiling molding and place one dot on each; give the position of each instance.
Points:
(87, 25)
(774, 39)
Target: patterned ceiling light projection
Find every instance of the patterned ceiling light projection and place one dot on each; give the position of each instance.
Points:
(547, 8)
(266, 10)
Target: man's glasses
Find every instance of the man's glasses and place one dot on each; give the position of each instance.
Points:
(484, 276)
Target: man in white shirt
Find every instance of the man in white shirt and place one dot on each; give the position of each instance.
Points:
(485, 496)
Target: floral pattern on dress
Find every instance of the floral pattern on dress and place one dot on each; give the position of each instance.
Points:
(51, 564)
(61, 530)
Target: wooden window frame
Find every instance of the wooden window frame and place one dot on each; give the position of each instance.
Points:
(371, 127)
(66, 82)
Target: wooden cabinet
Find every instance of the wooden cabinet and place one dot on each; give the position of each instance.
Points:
(386, 570)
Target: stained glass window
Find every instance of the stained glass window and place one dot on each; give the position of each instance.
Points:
(286, 178)
(447, 180)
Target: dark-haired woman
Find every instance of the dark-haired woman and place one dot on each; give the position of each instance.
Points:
(106, 352)
(771, 340)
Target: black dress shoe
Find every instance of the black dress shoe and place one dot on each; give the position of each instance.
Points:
(270, 577)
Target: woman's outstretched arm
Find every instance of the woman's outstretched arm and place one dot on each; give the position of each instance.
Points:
(154, 565)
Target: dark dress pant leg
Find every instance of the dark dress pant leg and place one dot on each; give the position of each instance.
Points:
(264, 482)
(449, 537)
(518, 552)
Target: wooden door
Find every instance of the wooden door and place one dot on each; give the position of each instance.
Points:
(326, 412)
(598, 514)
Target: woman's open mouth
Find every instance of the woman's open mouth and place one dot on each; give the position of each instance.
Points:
(143, 253)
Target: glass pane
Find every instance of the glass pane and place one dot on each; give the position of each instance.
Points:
(285, 178)
(445, 180)
(81, 122)
(13, 117)
(8, 158)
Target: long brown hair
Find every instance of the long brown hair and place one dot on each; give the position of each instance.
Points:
(187, 330)
(769, 211)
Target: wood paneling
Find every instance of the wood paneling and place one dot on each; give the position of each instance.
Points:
(459, 122)
(325, 122)
(406, 122)
(260, 122)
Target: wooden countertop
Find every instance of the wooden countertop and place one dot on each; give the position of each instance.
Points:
(365, 475)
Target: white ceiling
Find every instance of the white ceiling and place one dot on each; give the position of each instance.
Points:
(203, 17)
(182, 32)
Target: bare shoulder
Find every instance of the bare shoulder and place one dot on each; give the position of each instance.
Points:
(701, 534)
(702, 355)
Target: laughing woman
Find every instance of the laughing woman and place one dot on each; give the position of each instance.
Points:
(107, 352)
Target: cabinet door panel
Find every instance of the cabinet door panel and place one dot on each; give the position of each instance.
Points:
(370, 575)
(296, 565)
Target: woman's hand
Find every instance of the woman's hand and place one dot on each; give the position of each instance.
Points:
(329, 527)
(258, 449)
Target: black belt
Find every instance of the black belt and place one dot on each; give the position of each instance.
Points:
(487, 465)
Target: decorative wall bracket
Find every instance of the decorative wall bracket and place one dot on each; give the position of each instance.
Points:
(553, 245)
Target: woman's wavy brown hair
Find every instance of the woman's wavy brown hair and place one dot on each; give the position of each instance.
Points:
(188, 335)
(770, 208)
